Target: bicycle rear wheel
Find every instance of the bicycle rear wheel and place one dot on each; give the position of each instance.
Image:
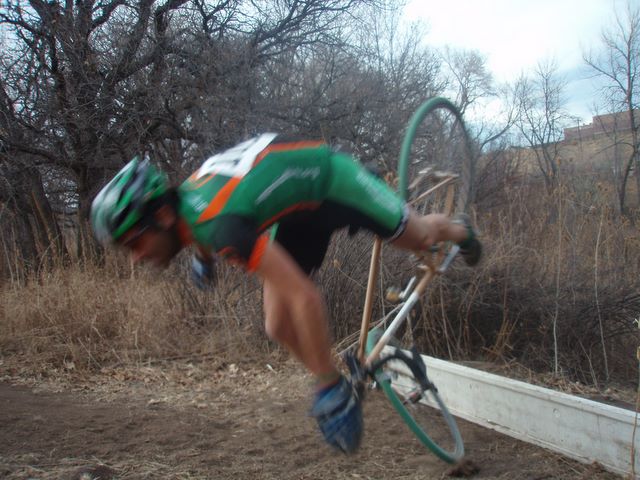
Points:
(435, 175)
(435, 169)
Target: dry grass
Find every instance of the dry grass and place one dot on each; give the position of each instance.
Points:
(558, 291)
(88, 317)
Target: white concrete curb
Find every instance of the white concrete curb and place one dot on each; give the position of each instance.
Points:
(582, 429)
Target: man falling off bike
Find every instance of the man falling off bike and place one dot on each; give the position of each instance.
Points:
(227, 208)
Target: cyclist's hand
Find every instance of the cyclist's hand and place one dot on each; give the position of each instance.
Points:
(203, 272)
(338, 411)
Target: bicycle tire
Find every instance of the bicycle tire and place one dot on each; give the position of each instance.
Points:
(413, 413)
(436, 141)
(438, 138)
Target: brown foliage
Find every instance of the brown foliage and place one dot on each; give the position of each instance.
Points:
(550, 259)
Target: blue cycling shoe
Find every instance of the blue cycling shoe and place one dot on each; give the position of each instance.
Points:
(338, 411)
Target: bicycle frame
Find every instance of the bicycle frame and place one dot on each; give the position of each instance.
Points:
(430, 272)
(388, 375)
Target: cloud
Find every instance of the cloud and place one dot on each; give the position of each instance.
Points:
(515, 35)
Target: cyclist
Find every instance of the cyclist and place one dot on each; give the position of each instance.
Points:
(227, 208)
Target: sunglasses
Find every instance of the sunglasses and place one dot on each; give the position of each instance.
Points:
(143, 225)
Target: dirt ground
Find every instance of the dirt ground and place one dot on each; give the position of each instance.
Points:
(183, 420)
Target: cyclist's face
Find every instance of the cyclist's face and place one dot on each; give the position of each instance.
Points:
(153, 244)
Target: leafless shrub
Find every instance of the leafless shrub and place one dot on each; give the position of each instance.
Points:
(88, 317)
(505, 309)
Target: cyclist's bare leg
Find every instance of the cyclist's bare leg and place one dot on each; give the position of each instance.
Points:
(423, 231)
(308, 341)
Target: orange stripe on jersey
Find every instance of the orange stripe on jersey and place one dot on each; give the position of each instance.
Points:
(293, 208)
(258, 252)
(219, 200)
(283, 147)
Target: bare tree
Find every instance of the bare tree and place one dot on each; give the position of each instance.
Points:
(359, 96)
(542, 117)
(468, 77)
(617, 63)
(473, 88)
(401, 73)
(84, 85)
(73, 84)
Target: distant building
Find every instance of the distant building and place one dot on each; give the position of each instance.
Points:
(603, 145)
(601, 124)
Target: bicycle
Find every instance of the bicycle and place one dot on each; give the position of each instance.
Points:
(436, 135)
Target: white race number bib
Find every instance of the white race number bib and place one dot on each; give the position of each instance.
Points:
(236, 161)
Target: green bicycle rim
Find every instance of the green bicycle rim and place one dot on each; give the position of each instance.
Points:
(423, 437)
(405, 151)
(465, 170)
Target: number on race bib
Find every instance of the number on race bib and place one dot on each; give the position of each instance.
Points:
(237, 161)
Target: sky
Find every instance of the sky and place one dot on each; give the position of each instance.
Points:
(515, 35)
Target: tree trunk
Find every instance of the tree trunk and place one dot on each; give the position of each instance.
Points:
(31, 236)
(19, 253)
(88, 249)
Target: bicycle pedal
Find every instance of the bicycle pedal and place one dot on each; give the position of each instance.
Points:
(356, 370)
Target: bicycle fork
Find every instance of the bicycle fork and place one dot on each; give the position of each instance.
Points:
(414, 362)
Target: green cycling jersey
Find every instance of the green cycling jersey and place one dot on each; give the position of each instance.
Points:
(237, 195)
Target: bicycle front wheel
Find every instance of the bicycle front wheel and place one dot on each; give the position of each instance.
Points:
(422, 409)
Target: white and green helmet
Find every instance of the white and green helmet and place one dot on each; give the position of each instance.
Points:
(121, 203)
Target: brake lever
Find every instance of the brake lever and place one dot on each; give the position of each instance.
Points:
(446, 263)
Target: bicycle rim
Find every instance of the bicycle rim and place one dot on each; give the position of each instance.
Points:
(436, 145)
(435, 175)
(398, 384)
